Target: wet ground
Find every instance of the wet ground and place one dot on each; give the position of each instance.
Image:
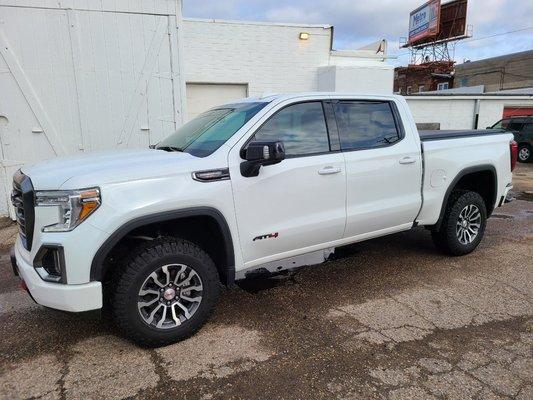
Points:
(393, 318)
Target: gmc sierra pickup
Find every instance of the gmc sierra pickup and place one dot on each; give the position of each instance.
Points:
(258, 186)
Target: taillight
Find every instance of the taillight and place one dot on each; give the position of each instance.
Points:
(513, 148)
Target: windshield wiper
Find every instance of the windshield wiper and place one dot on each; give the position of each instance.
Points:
(170, 148)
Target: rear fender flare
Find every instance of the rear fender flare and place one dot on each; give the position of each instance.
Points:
(461, 174)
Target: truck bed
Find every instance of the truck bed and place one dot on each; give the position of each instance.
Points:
(427, 135)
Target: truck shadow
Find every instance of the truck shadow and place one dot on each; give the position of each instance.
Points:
(417, 240)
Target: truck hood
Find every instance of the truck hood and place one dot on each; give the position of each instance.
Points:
(94, 169)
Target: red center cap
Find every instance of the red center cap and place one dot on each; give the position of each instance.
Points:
(169, 294)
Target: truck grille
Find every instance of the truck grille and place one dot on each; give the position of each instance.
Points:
(22, 198)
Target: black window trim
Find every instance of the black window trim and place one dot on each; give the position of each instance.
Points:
(395, 116)
(329, 129)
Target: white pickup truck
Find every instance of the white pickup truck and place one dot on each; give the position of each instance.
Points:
(260, 185)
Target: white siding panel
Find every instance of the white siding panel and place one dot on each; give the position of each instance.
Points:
(73, 80)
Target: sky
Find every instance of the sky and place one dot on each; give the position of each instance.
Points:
(359, 22)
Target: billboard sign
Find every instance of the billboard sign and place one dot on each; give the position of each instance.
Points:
(424, 21)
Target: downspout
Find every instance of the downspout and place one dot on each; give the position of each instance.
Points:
(476, 113)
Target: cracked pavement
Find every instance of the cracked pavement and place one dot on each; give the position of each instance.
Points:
(391, 319)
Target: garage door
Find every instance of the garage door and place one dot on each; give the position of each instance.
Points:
(201, 97)
(517, 111)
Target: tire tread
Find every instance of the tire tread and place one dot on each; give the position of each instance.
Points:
(126, 274)
(445, 238)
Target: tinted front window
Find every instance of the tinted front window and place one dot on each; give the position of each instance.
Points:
(508, 124)
(301, 128)
(208, 131)
(514, 126)
(364, 125)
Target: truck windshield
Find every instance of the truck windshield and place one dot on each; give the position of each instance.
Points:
(204, 134)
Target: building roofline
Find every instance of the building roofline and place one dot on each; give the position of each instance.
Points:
(509, 56)
(267, 23)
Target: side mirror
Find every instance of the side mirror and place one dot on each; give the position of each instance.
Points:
(259, 154)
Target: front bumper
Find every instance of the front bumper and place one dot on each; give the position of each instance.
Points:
(75, 298)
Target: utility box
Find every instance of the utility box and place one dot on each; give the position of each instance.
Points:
(363, 70)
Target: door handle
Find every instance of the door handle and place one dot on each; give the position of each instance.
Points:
(407, 160)
(329, 170)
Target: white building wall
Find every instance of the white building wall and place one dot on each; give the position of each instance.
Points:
(270, 58)
(458, 112)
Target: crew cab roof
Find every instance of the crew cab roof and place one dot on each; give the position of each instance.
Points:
(279, 97)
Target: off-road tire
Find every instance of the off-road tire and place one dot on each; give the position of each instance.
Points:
(523, 147)
(446, 238)
(128, 278)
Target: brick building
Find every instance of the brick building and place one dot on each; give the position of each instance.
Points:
(511, 71)
(423, 77)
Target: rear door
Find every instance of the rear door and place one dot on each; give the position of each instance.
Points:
(298, 205)
(383, 167)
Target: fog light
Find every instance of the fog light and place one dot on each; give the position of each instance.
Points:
(50, 263)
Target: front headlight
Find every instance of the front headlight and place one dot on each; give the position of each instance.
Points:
(74, 206)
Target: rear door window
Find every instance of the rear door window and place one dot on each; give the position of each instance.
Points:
(366, 125)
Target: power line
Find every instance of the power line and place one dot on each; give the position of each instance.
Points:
(496, 34)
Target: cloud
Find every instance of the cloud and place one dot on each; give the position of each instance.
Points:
(358, 22)
(292, 14)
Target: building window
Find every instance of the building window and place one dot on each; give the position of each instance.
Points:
(443, 86)
(420, 88)
(409, 89)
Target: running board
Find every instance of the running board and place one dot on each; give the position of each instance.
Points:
(286, 264)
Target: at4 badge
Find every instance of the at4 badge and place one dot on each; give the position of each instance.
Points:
(267, 236)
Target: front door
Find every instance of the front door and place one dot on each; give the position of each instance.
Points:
(298, 205)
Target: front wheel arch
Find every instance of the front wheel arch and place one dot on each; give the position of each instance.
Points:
(225, 262)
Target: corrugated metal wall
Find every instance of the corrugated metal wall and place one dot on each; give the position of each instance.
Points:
(84, 78)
